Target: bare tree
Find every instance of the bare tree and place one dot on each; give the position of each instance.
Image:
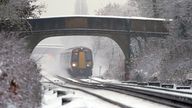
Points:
(110, 9)
(174, 45)
(14, 13)
(153, 56)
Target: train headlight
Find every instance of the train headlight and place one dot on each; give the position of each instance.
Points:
(89, 64)
(74, 64)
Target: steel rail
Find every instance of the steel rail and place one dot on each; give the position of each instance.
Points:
(149, 87)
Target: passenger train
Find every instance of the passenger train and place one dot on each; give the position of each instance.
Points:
(78, 62)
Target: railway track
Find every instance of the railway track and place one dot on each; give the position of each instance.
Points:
(149, 88)
(87, 92)
(167, 97)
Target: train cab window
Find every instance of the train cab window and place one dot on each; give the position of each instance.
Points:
(88, 55)
(74, 57)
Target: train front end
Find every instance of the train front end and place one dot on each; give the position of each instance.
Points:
(81, 62)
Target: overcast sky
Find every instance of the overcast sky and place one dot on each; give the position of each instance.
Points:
(66, 7)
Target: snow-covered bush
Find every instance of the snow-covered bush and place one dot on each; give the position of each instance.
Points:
(16, 63)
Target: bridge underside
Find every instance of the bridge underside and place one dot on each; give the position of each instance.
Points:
(120, 37)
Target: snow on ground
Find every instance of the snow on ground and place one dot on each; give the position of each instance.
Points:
(121, 98)
(89, 80)
(78, 100)
(163, 91)
(185, 90)
(128, 100)
(106, 80)
(131, 101)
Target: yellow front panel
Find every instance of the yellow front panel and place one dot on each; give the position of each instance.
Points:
(82, 60)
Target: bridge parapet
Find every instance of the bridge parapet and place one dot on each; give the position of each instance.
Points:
(100, 25)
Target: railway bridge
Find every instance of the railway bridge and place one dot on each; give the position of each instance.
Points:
(119, 29)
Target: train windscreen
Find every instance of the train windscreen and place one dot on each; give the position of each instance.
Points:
(74, 57)
(88, 56)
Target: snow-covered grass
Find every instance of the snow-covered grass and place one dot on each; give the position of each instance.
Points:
(78, 100)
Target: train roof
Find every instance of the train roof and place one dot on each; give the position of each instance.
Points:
(69, 50)
(78, 48)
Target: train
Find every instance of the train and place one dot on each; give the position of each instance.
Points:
(78, 61)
